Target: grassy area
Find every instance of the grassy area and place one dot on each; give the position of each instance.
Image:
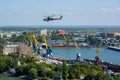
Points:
(5, 76)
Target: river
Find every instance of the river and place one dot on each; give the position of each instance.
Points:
(105, 55)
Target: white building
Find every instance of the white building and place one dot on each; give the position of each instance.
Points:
(11, 48)
(21, 49)
(43, 32)
(118, 34)
(8, 35)
(5, 34)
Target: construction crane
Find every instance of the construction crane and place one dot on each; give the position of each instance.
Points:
(48, 49)
(65, 38)
(98, 51)
(105, 39)
(77, 50)
(45, 41)
(34, 38)
(76, 45)
(34, 43)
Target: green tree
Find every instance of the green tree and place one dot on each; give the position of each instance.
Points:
(13, 36)
(89, 77)
(6, 60)
(116, 78)
(3, 67)
(29, 66)
(2, 41)
(85, 69)
(1, 49)
(43, 69)
(33, 73)
(28, 59)
(58, 68)
(13, 55)
(51, 73)
(65, 70)
(118, 38)
(12, 60)
(98, 77)
(24, 33)
(93, 40)
(20, 70)
(4, 36)
(74, 71)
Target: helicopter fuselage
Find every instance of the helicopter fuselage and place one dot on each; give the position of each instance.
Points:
(51, 18)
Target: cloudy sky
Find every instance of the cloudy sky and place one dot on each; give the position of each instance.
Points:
(75, 12)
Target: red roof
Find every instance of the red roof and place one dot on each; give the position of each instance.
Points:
(60, 32)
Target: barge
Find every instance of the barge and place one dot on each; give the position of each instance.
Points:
(114, 48)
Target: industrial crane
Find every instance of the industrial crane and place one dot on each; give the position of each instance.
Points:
(98, 51)
(34, 43)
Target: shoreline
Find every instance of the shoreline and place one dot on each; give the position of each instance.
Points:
(71, 46)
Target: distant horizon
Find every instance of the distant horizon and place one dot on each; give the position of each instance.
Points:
(63, 26)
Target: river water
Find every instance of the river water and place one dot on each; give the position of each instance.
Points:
(105, 55)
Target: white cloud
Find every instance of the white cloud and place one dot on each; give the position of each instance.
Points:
(110, 10)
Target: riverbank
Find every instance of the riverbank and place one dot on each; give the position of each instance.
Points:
(71, 46)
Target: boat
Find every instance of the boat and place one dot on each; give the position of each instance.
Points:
(114, 46)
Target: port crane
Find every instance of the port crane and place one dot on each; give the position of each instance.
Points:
(48, 49)
(34, 43)
(100, 46)
(77, 48)
(98, 51)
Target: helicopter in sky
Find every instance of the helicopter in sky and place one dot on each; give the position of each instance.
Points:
(52, 18)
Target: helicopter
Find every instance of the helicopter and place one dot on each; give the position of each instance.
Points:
(51, 18)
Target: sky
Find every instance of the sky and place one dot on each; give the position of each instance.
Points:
(74, 12)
